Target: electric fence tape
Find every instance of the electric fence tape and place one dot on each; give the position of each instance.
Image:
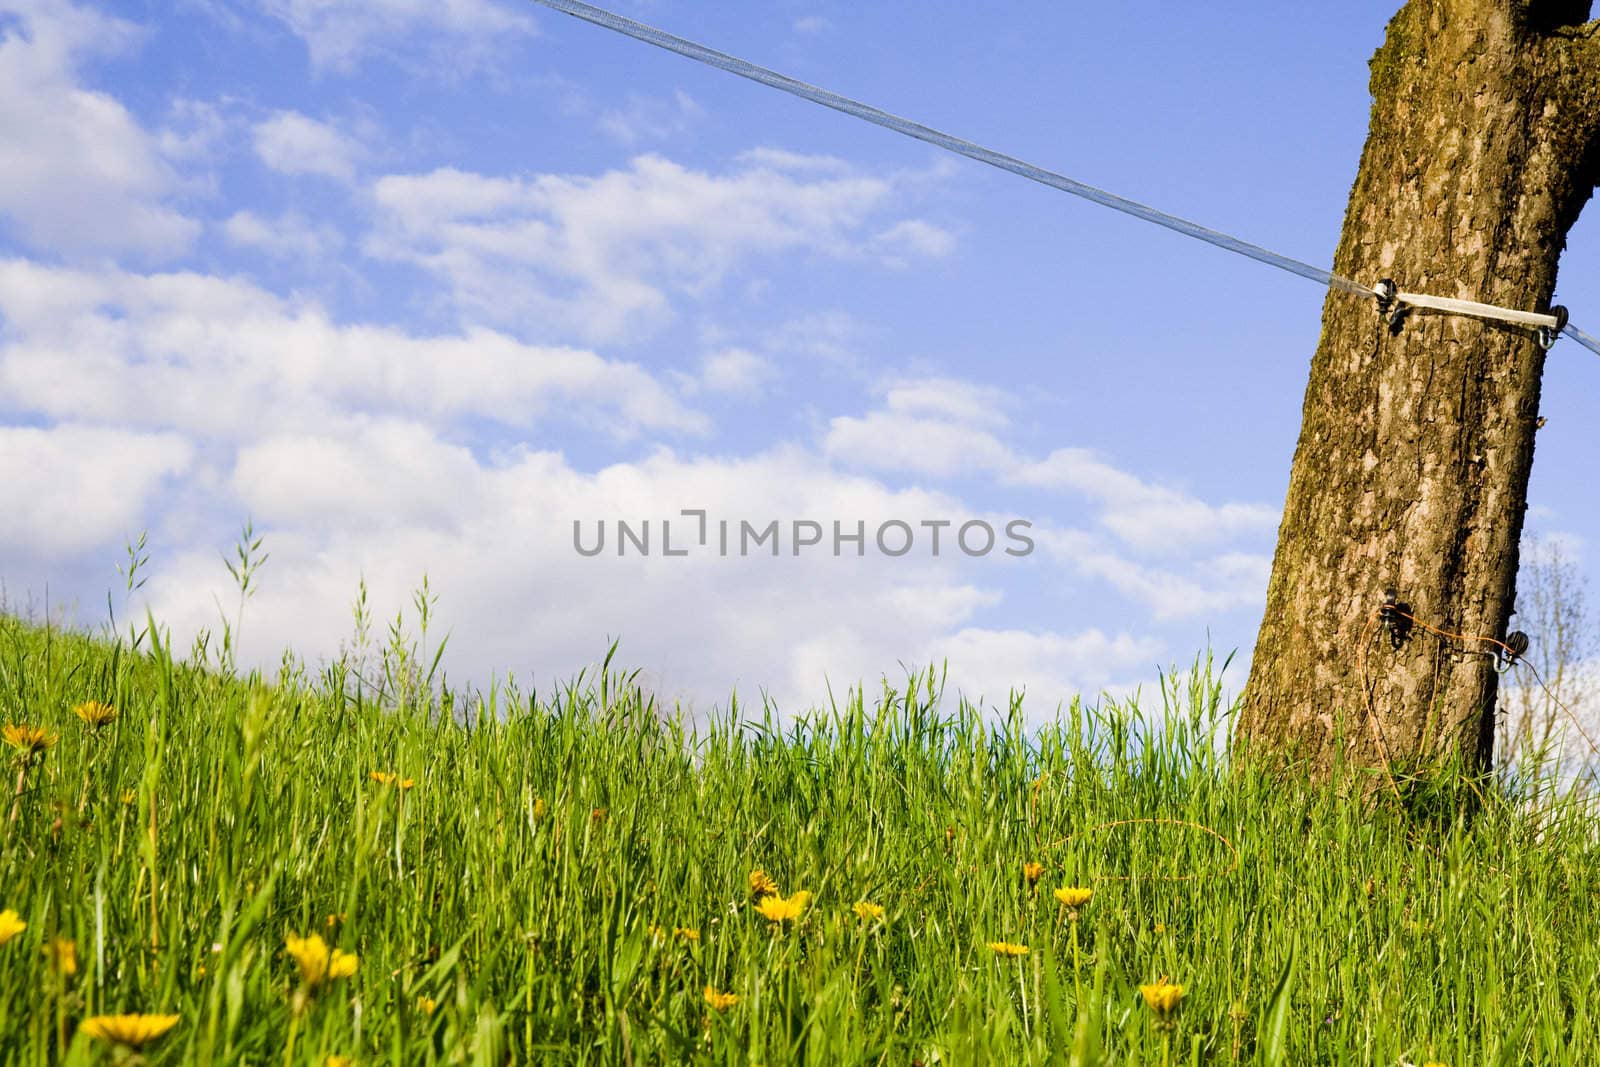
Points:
(733, 65)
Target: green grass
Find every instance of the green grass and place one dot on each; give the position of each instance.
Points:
(517, 883)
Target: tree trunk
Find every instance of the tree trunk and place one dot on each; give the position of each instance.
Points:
(1411, 472)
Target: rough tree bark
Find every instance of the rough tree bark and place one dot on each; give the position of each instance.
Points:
(1412, 467)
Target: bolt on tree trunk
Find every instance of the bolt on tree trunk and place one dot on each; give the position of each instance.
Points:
(1411, 471)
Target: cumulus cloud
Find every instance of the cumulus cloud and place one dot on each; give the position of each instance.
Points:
(1149, 517)
(292, 143)
(936, 426)
(913, 237)
(603, 257)
(734, 370)
(495, 533)
(226, 359)
(943, 428)
(288, 236)
(1201, 588)
(341, 33)
(82, 176)
(647, 118)
(72, 487)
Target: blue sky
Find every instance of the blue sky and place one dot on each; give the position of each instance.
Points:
(416, 285)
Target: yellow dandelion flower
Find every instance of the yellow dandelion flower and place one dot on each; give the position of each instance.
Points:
(781, 909)
(867, 911)
(1161, 928)
(1008, 949)
(343, 964)
(688, 933)
(95, 714)
(131, 1031)
(317, 962)
(426, 1005)
(761, 884)
(11, 925)
(128, 796)
(538, 808)
(62, 952)
(1162, 996)
(720, 1001)
(1032, 872)
(1074, 896)
(28, 740)
(391, 778)
(338, 1061)
(336, 919)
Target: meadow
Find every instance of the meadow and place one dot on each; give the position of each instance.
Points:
(358, 864)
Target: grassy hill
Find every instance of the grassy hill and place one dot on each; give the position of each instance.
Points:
(568, 877)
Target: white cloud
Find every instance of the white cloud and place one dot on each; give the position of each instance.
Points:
(71, 487)
(289, 236)
(1048, 668)
(1148, 517)
(771, 158)
(463, 34)
(193, 131)
(898, 441)
(81, 175)
(913, 237)
(645, 118)
(812, 24)
(342, 441)
(384, 474)
(292, 143)
(831, 336)
(603, 258)
(227, 360)
(1206, 587)
(950, 398)
(934, 426)
(495, 536)
(944, 428)
(734, 370)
